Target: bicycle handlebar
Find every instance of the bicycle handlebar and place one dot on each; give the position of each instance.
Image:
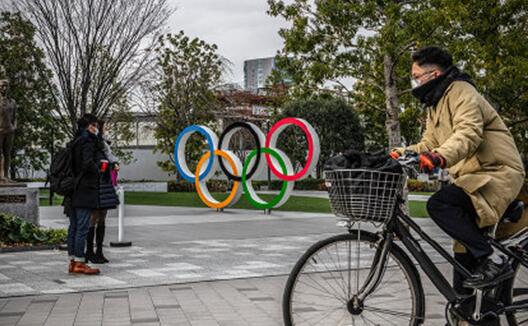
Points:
(410, 160)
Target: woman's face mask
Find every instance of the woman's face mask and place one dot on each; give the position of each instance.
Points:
(93, 129)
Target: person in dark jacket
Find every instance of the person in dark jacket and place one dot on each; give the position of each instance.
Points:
(107, 200)
(85, 196)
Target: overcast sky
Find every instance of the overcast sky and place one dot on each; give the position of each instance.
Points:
(241, 28)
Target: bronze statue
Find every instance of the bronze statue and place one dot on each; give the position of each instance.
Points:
(7, 130)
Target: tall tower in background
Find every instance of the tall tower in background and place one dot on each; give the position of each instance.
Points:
(256, 72)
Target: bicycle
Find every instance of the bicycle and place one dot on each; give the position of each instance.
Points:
(366, 278)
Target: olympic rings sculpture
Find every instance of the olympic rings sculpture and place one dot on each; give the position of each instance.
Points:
(278, 162)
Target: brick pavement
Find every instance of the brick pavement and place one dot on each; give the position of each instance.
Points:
(184, 245)
(165, 278)
(240, 302)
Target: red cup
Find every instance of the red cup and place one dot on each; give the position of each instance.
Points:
(104, 165)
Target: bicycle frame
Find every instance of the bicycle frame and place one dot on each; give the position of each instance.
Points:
(399, 226)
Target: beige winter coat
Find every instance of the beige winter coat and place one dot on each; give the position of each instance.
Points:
(479, 150)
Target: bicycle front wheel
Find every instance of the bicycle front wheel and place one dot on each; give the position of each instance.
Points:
(323, 287)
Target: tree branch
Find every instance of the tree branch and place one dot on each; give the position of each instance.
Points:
(96, 48)
(408, 90)
(513, 124)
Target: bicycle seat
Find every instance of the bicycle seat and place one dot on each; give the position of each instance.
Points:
(514, 212)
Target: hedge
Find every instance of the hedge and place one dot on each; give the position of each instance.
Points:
(421, 186)
(306, 184)
(221, 185)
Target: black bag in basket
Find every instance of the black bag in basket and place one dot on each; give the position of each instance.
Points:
(353, 159)
(365, 163)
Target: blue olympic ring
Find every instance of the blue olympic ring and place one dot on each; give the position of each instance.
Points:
(183, 136)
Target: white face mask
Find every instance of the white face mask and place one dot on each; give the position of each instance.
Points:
(414, 83)
(96, 131)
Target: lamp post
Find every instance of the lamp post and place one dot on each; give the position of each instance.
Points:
(52, 150)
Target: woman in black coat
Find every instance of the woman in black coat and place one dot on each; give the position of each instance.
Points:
(107, 200)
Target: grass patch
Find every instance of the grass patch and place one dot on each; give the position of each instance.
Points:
(418, 209)
(44, 198)
(295, 203)
(191, 199)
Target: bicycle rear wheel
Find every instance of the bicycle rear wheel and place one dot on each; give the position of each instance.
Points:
(516, 292)
(323, 286)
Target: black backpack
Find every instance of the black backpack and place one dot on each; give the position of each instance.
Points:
(61, 178)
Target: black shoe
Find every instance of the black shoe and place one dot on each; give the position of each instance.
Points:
(99, 255)
(93, 258)
(489, 274)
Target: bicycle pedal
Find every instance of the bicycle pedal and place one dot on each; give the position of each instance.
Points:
(485, 318)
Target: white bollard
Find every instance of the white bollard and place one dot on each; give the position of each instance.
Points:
(120, 221)
(120, 214)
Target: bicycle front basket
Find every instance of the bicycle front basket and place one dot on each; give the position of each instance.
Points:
(364, 195)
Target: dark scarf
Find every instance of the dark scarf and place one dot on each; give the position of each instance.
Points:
(98, 142)
(431, 92)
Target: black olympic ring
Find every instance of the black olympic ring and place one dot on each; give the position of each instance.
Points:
(232, 126)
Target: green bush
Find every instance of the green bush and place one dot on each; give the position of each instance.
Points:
(421, 186)
(180, 186)
(260, 185)
(14, 230)
(185, 186)
(310, 184)
(57, 236)
(306, 184)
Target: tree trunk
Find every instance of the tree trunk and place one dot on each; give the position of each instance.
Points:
(392, 104)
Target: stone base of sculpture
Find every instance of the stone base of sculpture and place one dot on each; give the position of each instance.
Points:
(18, 199)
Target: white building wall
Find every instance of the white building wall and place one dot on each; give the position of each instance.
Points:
(144, 166)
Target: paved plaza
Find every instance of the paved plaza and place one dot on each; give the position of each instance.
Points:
(187, 266)
(252, 301)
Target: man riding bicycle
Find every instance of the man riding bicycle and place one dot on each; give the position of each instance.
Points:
(466, 135)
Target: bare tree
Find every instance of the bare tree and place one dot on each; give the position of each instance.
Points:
(99, 50)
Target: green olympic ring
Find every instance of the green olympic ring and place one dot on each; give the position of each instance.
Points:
(257, 202)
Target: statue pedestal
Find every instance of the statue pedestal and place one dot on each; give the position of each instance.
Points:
(18, 199)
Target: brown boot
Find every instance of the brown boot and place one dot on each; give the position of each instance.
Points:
(82, 268)
(70, 267)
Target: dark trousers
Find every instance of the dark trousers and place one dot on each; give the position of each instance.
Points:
(79, 224)
(452, 210)
(470, 263)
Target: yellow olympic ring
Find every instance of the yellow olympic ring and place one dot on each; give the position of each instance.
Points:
(204, 194)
